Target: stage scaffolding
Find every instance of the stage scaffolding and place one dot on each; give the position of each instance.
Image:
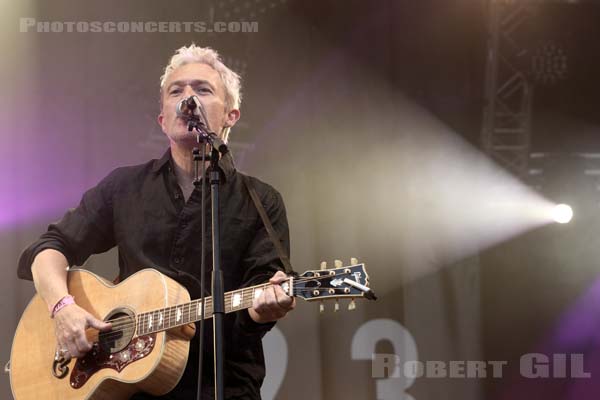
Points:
(506, 130)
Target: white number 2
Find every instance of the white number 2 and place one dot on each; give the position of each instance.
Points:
(276, 358)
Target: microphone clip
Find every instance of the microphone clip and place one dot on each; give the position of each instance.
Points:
(190, 109)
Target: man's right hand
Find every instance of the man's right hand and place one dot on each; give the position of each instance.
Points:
(71, 323)
(49, 272)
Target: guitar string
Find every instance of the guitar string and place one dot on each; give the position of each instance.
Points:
(209, 300)
(187, 309)
(128, 323)
(131, 325)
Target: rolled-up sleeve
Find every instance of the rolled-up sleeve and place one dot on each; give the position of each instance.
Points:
(83, 231)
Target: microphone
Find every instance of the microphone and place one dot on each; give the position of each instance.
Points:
(189, 108)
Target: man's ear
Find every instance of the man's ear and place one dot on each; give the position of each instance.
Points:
(160, 119)
(232, 117)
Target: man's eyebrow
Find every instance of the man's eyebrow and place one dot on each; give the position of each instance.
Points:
(194, 82)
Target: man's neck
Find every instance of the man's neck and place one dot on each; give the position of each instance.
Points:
(183, 159)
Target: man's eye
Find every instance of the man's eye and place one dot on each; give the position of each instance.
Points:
(175, 91)
(203, 90)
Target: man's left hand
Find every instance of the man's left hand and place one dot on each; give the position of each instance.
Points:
(273, 303)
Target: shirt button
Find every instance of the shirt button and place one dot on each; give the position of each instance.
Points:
(177, 196)
(177, 260)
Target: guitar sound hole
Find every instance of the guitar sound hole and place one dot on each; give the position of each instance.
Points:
(123, 329)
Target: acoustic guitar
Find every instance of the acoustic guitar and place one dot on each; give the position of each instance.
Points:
(147, 348)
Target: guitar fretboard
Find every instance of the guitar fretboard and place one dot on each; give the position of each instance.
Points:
(182, 314)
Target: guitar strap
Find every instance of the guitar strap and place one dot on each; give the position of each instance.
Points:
(267, 223)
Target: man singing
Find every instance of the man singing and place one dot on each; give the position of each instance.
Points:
(151, 212)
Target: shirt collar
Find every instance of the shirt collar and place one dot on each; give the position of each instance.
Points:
(226, 163)
(161, 162)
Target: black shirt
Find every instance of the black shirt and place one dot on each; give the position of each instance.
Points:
(141, 209)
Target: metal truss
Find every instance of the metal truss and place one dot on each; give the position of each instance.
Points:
(506, 128)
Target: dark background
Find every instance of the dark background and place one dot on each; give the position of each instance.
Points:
(326, 86)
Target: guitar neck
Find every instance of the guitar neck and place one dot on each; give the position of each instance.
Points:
(182, 314)
(316, 285)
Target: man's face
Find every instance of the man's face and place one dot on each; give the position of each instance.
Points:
(204, 82)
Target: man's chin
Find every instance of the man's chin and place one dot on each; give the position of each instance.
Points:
(182, 138)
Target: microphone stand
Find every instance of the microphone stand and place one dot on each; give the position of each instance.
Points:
(217, 147)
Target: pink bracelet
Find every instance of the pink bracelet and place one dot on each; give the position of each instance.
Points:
(62, 303)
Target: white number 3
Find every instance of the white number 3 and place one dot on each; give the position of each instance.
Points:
(364, 341)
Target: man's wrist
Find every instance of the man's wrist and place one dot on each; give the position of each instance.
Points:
(255, 317)
(60, 304)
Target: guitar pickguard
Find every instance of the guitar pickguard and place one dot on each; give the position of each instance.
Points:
(98, 359)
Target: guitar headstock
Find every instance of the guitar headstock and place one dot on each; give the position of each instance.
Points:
(350, 281)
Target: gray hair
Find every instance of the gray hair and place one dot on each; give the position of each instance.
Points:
(205, 55)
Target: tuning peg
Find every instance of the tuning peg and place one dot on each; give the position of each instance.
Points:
(321, 308)
(352, 305)
(338, 263)
(323, 264)
(336, 307)
(353, 261)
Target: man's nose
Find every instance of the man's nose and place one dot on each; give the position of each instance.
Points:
(188, 91)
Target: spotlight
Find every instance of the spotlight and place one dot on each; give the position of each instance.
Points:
(562, 213)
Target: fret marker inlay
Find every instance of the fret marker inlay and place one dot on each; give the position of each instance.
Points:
(237, 300)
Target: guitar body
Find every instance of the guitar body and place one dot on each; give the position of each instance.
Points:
(153, 363)
(152, 321)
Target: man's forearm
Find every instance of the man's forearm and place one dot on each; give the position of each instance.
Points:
(49, 271)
